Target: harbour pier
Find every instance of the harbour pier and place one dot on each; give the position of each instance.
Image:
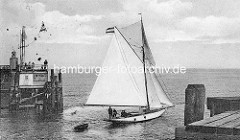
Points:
(30, 86)
(224, 120)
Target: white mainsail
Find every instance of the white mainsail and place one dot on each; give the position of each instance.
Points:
(127, 88)
(114, 87)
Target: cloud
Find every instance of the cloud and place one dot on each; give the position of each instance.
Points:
(70, 29)
(211, 28)
(160, 18)
(175, 20)
(61, 28)
(21, 13)
(57, 18)
(153, 11)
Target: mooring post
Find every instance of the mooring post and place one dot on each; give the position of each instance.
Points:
(60, 99)
(52, 76)
(54, 93)
(60, 77)
(44, 109)
(194, 103)
(59, 92)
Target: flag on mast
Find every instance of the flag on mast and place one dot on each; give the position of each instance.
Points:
(110, 30)
(24, 33)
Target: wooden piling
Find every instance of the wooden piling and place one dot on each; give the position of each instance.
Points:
(54, 93)
(52, 75)
(53, 101)
(194, 103)
(60, 77)
(59, 91)
(60, 99)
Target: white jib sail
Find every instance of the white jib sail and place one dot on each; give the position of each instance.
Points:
(160, 93)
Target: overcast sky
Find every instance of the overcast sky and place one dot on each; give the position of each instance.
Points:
(191, 33)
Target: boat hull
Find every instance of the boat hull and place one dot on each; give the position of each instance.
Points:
(138, 118)
(81, 127)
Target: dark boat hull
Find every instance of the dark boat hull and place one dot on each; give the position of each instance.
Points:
(80, 128)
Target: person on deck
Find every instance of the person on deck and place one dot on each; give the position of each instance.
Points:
(33, 65)
(123, 114)
(25, 65)
(29, 65)
(110, 112)
(114, 113)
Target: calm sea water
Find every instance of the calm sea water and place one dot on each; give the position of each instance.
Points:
(26, 124)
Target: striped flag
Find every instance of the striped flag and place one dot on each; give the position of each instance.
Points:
(24, 33)
(110, 30)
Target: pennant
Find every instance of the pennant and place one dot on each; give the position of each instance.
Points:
(43, 28)
(110, 30)
(24, 33)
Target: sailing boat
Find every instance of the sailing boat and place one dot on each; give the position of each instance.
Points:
(129, 48)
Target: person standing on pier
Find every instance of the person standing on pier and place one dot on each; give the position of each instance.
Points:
(45, 64)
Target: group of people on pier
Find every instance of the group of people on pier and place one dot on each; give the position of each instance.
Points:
(31, 66)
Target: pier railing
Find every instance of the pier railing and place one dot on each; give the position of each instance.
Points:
(27, 67)
(4, 66)
(34, 67)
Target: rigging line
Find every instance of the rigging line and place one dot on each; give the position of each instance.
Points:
(129, 44)
(135, 46)
(125, 60)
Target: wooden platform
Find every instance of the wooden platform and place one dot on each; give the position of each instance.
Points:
(218, 105)
(225, 125)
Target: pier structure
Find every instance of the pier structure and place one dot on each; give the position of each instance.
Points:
(24, 85)
(30, 86)
(223, 123)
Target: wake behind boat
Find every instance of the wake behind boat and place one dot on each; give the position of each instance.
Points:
(128, 88)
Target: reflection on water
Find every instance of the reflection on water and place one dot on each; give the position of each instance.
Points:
(26, 124)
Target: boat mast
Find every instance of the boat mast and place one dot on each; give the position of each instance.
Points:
(20, 48)
(22, 45)
(144, 65)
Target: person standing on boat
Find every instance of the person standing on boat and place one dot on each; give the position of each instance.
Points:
(114, 113)
(110, 112)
